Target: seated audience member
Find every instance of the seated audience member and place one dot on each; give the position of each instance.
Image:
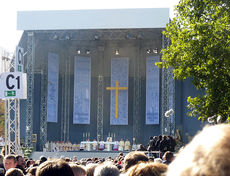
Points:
(168, 157)
(133, 158)
(54, 168)
(9, 162)
(147, 169)
(106, 169)
(78, 170)
(14, 172)
(208, 154)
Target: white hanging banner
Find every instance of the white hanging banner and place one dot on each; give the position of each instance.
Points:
(53, 76)
(82, 89)
(152, 90)
(13, 85)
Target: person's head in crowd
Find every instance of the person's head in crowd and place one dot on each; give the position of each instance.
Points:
(56, 167)
(32, 171)
(14, 172)
(168, 157)
(20, 161)
(78, 170)
(121, 154)
(151, 158)
(147, 169)
(3, 151)
(208, 154)
(9, 162)
(158, 160)
(2, 172)
(90, 169)
(29, 163)
(133, 158)
(42, 159)
(1, 159)
(106, 169)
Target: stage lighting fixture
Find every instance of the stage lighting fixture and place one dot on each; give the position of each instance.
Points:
(96, 37)
(55, 37)
(67, 37)
(155, 51)
(78, 51)
(117, 52)
(148, 51)
(87, 51)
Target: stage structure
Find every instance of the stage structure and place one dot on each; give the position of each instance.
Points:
(12, 109)
(91, 75)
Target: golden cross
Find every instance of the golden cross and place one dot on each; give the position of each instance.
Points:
(117, 88)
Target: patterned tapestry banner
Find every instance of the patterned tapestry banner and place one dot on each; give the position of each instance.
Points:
(52, 99)
(152, 90)
(119, 91)
(82, 88)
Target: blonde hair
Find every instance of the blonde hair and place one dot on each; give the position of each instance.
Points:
(147, 169)
(207, 154)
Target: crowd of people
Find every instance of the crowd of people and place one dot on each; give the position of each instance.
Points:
(156, 143)
(207, 154)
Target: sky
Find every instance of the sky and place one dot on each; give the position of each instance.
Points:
(10, 36)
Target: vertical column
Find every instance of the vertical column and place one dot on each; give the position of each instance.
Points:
(65, 101)
(167, 97)
(137, 97)
(30, 88)
(100, 107)
(43, 119)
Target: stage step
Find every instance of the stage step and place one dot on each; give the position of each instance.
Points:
(79, 154)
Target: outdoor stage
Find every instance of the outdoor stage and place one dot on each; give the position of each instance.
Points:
(78, 154)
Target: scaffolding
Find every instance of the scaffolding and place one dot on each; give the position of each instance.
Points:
(167, 97)
(12, 111)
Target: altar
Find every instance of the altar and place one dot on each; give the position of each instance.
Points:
(101, 145)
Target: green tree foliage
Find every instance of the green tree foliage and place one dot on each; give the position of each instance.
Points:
(2, 118)
(200, 49)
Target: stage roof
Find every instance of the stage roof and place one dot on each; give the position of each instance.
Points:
(93, 19)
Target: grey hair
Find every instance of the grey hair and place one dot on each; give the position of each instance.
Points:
(106, 169)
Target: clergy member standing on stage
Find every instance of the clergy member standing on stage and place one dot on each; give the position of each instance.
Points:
(127, 145)
(121, 145)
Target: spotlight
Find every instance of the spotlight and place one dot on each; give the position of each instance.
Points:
(148, 51)
(55, 37)
(67, 37)
(155, 51)
(87, 51)
(117, 52)
(78, 51)
(96, 37)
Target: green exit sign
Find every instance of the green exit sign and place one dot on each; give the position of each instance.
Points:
(10, 93)
(19, 68)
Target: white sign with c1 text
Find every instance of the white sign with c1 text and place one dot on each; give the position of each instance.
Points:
(13, 85)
